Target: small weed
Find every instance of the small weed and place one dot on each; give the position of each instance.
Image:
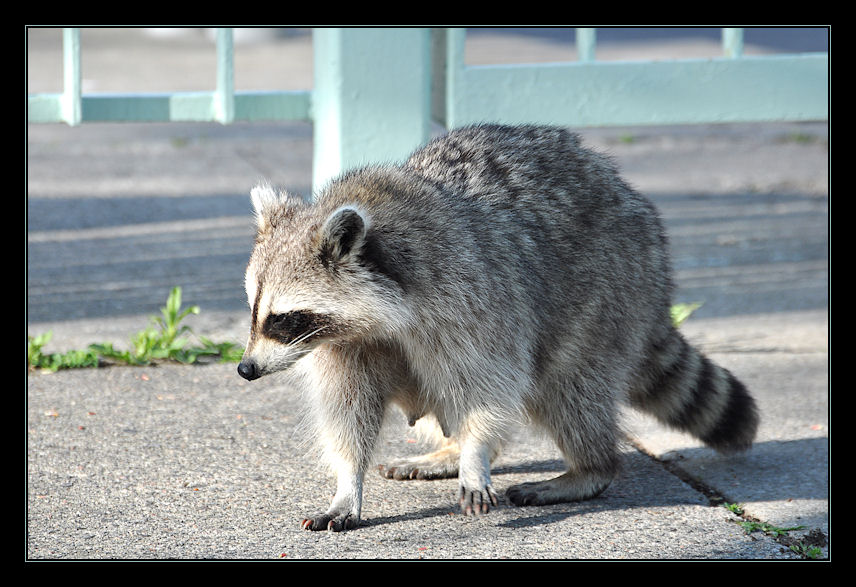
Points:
(780, 535)
(808, 546)
(55, 361)
(807, 551)
(766, 528)
(680, 312)
(734, 508)
(164, 339)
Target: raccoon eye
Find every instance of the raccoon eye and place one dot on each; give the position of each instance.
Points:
(286, 327)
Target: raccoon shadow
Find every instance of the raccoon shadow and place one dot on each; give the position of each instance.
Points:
(614, 497)
(769, 471)
(774, 470)
(411, 516)
(641, 483)
(543, 466)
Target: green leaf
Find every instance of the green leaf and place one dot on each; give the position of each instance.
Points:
(680, 312)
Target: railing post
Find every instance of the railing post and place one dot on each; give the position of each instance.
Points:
(586, 42)
(71, 108)
(371, 98)
(224, 96)
(455, 67)
(732, 42)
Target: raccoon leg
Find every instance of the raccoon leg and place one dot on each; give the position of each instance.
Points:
(475, 492)
(344, 510)
(585, 429)
(349, 407)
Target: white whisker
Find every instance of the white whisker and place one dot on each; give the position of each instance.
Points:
(307, 335)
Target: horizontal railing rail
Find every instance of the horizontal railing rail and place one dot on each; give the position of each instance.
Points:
(587, 92)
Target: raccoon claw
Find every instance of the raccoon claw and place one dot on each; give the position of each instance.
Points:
(332, 522)
(399, 473)
(475, 502)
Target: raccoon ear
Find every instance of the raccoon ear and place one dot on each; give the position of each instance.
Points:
(343, 232)
(265, 199)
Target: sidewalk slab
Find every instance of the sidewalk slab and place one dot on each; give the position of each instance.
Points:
(177, 462)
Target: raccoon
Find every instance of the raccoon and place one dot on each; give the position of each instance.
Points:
(501, 276)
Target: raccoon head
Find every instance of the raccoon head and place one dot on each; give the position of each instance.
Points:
(312, 279)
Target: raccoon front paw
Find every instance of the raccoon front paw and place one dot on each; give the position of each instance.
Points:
(475, 501)
(333, 521)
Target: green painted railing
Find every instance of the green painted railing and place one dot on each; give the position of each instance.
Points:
(731, 88)
(376, 91)
(223, 104)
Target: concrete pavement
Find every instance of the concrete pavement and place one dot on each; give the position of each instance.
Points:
(193, 462)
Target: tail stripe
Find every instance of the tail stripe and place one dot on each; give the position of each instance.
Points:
(704, 400)
(677, 366)
(736, 424)
(686, 390)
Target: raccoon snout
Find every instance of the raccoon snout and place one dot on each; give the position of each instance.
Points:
(248, 370)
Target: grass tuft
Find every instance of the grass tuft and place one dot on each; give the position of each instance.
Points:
(165, 339)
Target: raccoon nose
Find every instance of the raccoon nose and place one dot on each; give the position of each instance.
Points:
(248, 370)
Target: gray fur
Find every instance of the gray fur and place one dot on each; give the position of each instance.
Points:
(501, 276)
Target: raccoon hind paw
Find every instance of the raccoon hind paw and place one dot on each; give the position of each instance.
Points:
(565, 488)
(440, 464)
